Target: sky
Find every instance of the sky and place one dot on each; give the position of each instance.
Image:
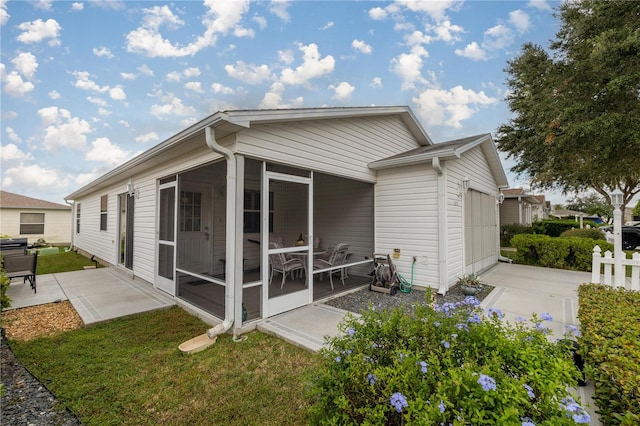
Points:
(87, 85)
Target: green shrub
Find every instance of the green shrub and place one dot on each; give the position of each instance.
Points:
(450, 364)
(554, 228)
(562, 253)
(5, 301)
(610, 345)
(508, 231)
(593, 233)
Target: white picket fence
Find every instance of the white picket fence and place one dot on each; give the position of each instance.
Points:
(606, 262)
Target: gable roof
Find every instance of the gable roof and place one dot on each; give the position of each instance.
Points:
(446, 151)
(9, 200)
(226, 123)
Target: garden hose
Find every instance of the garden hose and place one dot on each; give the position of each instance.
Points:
(403, 284)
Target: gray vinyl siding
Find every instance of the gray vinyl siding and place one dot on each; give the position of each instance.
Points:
(509, 212)
(341, 147)
(406, 218)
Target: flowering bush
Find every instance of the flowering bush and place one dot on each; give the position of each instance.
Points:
(451, 364)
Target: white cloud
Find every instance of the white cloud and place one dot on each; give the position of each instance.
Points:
(286, 56)
(328, 25)
(342, 91)
(97, 101)
(128, 76)
(26, 64)
(174, 76)
(62, 129)
(191, 72)
(11, 152)
(124, 123)
(117, 93)
(171, 106)
(435, 9)
(12, 135)
(194, 86)
(261, 21)
(376, 82)
(520, 20)
(472, 51)
(313, 66)
(279, 8)
(103, 151)
(84, 82)
(14, 85)
(43, 4)
(497, 37)
(38, 30)
(450, 107)
(540, 5)
(362, 46)
(53, 94)
(147, 137)
(102, 51)
(377, 14)
(273, 98)
(144, 69)
(417, 37)
(446, 31)
(408, 66)
(221, 89)
(249, 73)
(4, 16)
(77, 6)
(34, 176)
(221, 17)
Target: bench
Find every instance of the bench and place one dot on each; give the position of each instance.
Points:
(21, 266)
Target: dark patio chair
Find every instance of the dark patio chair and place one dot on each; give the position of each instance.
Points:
(21, 266)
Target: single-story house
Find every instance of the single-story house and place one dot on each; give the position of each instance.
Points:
(34, 219)
(519, 207)
(191, 214)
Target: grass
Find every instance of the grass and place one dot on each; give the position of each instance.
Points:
(130, 371)
(62, 262)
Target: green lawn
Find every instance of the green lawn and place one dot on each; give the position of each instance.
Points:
(130, 371)
(62, 262)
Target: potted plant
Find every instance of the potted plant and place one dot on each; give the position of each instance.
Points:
(470, 284)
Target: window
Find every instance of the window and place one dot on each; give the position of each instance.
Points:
(103, 212)
(190, 211)
(31, 223)
(78, 218)
(252, 211)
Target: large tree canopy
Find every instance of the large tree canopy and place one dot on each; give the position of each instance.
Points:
(576, 110)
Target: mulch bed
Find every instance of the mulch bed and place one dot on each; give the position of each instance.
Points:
(42, 320)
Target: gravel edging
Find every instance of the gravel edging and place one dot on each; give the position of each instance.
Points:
(26, 401)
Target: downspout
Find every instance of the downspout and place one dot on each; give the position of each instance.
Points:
(229, 307)
(72, 205)
(442, 226)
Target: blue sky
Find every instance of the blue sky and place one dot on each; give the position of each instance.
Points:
(88, 85)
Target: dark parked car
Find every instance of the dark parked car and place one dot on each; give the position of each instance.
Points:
(630, 235)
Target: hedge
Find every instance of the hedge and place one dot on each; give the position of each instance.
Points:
(610, 345)
(563, 253)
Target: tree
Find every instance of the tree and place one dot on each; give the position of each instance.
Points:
(576, 121)
(591, 204)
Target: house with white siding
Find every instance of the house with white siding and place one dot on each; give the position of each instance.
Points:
(34, 219)
(191, 215)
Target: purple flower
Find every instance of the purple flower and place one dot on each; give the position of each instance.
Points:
(495, 311)
(546, 317)
(582, 417)
(529, 391)
(487, 383)
(398, 401)
(471, 301)
(520, 318)
(572, 330)
(445, 344)
(371, 378)
(338, 359)
(441, 406)
(474, 318)
(542, 328)
(423, 366)
(526, 421)
(351, 332)
(462, 326)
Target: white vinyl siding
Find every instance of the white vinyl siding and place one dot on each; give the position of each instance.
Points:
(57, 224)
(406, 218)
(341, 147)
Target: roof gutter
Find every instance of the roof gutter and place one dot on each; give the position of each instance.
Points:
(229, 308)
(442, 226)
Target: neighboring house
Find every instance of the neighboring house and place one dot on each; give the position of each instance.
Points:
(519, 207)
(190, 214)
(541, 210)
(34, 219)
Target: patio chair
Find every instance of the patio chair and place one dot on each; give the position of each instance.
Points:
(279, 263)
(337, 257)
(21, 266)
